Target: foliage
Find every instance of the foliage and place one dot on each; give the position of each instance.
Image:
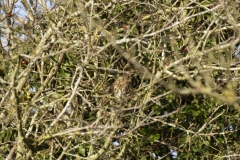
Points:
(60, 62)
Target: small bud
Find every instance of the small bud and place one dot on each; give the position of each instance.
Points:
(49, 47)
(9, 15)
(24, 61)
(104, 114)
(185, 49)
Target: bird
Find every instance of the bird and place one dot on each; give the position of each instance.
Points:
(121, 87)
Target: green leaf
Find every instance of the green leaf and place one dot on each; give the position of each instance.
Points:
(82, 151)
(154, 136)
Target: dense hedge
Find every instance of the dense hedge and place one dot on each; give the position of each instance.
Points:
(119, 80)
